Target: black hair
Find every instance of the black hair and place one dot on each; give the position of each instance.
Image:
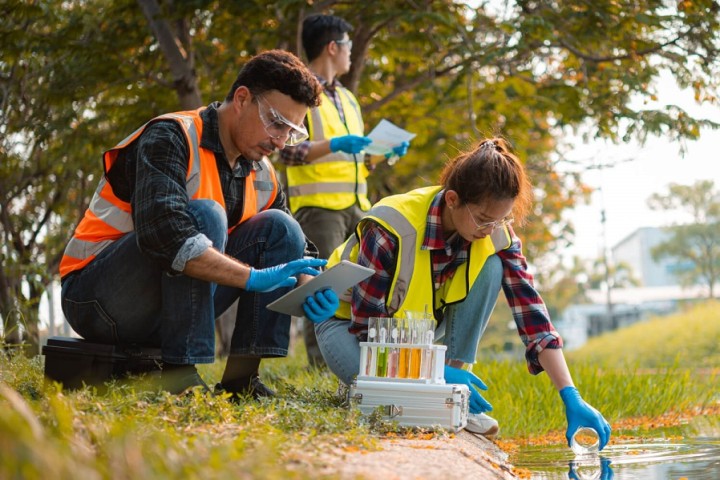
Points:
(282, 71)
(319, 30)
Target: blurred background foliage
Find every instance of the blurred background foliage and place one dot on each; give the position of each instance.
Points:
(76, 76)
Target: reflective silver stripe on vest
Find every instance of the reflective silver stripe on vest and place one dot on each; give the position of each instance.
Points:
(408, 236)
(82, 249)
(319, 134)
(500, 239)
(327, 187)
(264, 184)
(110, 214)
(193, 179)
(127, 139)
(351, 102)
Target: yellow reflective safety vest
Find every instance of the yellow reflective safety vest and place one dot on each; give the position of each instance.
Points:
(108, 218)
(412, 287)
(337, 180)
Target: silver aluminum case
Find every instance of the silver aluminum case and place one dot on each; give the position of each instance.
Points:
(414, 404)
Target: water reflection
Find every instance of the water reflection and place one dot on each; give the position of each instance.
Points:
(594, 468)
(689, 451)
(660, 458)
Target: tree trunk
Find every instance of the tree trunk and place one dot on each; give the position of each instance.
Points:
(178, 53)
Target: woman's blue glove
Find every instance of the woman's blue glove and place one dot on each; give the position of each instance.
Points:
(580, 414)
(398, 151)
(321, 306)
(349, 143)
(283, 275)
(457, 375)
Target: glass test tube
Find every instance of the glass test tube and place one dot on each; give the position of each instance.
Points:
(404, 354)
(415, 354)
(382, 352)
(394, 353)
(426, 361)
(371, 364)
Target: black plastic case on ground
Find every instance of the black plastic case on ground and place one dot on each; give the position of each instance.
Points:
(74, 361)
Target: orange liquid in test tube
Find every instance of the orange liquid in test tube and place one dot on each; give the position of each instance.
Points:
(403, 363)
(415, 356)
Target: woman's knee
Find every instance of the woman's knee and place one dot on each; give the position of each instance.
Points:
(492, 271)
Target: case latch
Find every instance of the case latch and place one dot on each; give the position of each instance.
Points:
(393, 411)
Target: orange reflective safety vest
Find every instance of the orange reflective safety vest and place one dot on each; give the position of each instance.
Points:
(108, 218)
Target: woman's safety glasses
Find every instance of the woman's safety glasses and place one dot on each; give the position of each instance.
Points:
(491, 225)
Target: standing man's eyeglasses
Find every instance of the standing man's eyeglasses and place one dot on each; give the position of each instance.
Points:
(278, 126)
(344, 42)
(492, 225)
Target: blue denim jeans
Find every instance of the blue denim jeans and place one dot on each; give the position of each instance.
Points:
(463, 326)
(122, 297)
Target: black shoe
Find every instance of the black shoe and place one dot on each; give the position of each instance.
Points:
(242, 387)
(178, 379)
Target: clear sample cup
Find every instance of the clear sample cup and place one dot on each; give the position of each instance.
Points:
(585, 441)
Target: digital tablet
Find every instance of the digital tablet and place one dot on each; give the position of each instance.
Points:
(339, 278)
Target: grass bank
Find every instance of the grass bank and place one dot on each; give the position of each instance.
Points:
(652, 369)
(130, 431)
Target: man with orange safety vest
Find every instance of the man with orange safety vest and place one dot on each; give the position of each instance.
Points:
(326, 175)
(187, 218)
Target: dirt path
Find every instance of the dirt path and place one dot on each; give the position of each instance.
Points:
(463, 455)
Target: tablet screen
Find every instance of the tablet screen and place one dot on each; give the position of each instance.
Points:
(339, 277)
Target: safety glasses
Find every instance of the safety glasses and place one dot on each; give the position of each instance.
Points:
(279, 127)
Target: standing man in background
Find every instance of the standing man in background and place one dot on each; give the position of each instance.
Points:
(326, 175)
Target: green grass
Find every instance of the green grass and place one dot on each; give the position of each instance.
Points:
(131, 431)
(648, 369)
(688, 340)
(135, 432)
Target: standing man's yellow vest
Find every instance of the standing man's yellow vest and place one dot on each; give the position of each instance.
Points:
(405, 216)
(337, 180)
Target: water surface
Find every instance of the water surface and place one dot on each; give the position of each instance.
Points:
(688, 452)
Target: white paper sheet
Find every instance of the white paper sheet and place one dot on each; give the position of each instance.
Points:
(385, 136)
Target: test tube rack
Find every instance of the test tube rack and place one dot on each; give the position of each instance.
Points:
(402, 362)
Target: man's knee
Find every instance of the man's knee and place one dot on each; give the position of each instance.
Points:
(210, 219)
(285, 229)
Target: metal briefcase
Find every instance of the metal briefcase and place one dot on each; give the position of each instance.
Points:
(429, 405)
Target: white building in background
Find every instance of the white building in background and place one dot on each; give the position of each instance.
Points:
(635, 251)
(659, 291)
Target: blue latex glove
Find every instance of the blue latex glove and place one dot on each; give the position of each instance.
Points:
(283, 275)
(580, 414)
(349, 143)
(477, 403)
(398, 151)
(321, 306)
